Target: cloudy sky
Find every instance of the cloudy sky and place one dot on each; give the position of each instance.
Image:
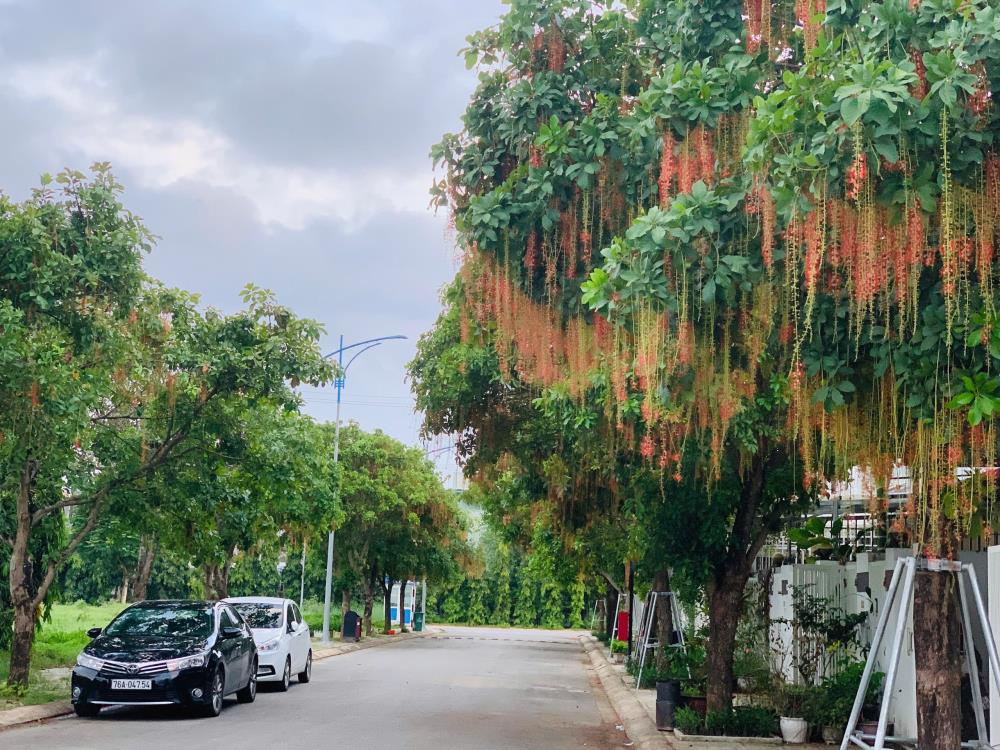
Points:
(282, 142)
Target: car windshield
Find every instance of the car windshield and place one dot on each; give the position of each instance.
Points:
(171, 620)
(260, 615)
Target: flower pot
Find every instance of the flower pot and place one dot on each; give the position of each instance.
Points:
(870, 726)
(833, 735)
(794, 731)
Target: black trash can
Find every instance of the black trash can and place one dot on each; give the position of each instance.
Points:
(668, 697)
(351, 630)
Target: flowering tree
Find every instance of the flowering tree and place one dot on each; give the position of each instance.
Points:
(760, 237)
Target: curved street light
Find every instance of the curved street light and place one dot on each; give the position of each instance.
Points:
(339, 382)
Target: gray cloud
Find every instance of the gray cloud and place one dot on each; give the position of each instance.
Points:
(310, 100)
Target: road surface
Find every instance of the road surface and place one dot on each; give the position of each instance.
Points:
(467, 688)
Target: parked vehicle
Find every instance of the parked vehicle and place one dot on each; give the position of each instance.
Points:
(158, 653)
(282, 638)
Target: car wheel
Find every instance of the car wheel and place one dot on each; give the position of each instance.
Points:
(249, 693)
(286, 676)
(214, 705)
(306, 674)
(86, 710)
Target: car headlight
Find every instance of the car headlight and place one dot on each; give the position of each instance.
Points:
(186, 662)
(271, 645)
(90, 662)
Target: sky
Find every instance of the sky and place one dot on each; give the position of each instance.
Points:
(279, 142)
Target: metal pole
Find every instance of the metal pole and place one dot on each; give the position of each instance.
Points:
(985, 622)
(302, 575)
(970, 658)
(328, 588)
(883, 620)
(903, 614)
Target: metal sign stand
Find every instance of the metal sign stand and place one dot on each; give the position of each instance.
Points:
(646, 628)
(905, 572)
(614, 628)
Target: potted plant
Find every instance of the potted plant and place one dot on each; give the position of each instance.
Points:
(835, 699)
(794, 700)
(872, 706)
(618, 651)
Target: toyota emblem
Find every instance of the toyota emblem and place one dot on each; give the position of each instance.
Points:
(132, 668)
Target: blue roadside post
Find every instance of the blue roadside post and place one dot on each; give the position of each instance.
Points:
(339, 354)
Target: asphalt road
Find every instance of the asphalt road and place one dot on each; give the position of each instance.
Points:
(467, 688)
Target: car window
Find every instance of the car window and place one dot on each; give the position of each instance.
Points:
(260, 614)
(298, 615)
(229, 619)
(290, 616)
(181, 620)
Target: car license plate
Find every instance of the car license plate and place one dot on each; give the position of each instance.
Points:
(131, 684)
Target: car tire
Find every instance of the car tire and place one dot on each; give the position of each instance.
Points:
(86, 710)
(216, 694)
(286, 676)
(248, 694)
(306, 674)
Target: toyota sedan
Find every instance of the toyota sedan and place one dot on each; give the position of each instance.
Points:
(162, 653)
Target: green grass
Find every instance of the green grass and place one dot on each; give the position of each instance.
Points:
(312, 611)
(56, 645)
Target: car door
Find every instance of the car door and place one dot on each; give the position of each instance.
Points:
(234, 650)
(302, 637)
(292, 634)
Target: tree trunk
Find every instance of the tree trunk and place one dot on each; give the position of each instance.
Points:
(937, 654)
(725, 599)
(610, 602)
(20, 579)
(386, 606)
(144, 568)
(20, 650)
(345, 602)
(368, 582)
(664, 618)
(125, 587)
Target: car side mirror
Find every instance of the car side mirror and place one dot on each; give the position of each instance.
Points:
(94, 632)
(231, 632)
(291, 627)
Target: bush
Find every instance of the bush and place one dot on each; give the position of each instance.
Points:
(688, 720)
(619, 647)
(835, 699)
(745, 721)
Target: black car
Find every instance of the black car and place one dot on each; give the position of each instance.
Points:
(161, 653)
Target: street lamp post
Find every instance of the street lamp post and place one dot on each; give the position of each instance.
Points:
(339, 353)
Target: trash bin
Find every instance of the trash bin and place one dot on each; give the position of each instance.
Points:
(418, 622)
(668, 695)
(352, 627)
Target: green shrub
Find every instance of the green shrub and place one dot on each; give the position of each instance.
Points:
(835, 697)
(745, 721)
(688, 720)
(619, 647)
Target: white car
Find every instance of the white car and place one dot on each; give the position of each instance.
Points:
(282, 638)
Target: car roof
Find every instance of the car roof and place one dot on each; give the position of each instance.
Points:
(175, 602)
(255, 599)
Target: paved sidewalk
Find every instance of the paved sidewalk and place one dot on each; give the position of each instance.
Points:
(637, 709)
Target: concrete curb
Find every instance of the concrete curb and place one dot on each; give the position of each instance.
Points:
(15, 717)
(639, 727)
